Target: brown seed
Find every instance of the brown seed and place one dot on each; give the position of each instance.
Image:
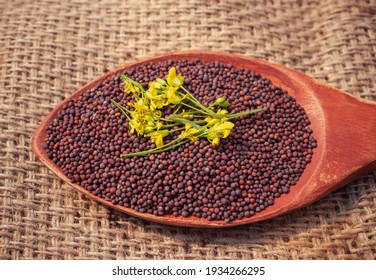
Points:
(196, 179)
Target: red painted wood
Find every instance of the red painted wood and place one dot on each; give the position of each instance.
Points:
(344, 126)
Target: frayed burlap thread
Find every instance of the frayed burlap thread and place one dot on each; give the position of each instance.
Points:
(48, 49)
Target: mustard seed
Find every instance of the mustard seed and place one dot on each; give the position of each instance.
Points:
(262, 159)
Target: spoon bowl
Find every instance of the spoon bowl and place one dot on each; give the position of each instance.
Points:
(344, 127)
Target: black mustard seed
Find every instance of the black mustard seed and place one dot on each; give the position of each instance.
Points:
(263, 157)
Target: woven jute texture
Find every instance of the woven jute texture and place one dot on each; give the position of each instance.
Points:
(48, 49)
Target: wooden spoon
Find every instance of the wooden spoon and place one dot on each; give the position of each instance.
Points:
(344, 127)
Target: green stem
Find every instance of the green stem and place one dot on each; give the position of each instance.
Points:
(199, 116)
(171, 125)
(233, 116)
(120, 106)
(157, 150)
(196, 109)
(199, 104)
(167, 120)
(204, 110)
(177, 109)
(191, 113)
(190, 94)
(204, 133)
(181, 123)
(181, 120)
(122, 109)
(133, 82)
(174, 130)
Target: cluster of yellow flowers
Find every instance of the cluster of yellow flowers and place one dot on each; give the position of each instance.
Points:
(190, 116)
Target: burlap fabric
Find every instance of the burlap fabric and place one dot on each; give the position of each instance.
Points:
(49, 48)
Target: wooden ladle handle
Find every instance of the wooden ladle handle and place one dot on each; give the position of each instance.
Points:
(350, 131)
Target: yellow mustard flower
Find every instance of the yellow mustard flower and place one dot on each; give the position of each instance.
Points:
(157, 137)
(187, 116)
(216, 141)
(142, 116)
(210, 121)
(218, 131)
(225, 128)
(189, 133)
(143, 123)
(149, 129)
(222, 112)
(161, 83)
(141, 106)
(221, 102)
(131, 87)
(159, 125)
(199, 120)
(172, 97)
(156, 99)
(174, 80)
(136, 125)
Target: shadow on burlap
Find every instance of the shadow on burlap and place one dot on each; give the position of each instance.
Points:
(48, 49)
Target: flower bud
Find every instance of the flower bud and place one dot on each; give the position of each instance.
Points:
(221, 102)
